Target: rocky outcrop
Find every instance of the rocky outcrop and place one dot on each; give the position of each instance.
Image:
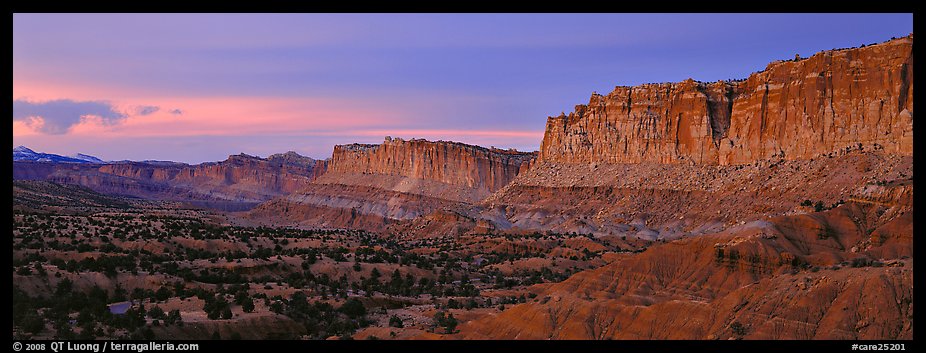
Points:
(240, 178)
(824, 275)
(385, 187)
(782, 204)
(795, 109)
(345, 206)
(647, 161)
(848, 304)
(442, 161)
(666, 201)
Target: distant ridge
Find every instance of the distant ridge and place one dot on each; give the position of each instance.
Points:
(23, 153)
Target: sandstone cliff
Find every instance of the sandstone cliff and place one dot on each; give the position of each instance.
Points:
(792, 110)
(442, 161)
(239, 179)
(721, 170)
(377, 186)
(646, 161)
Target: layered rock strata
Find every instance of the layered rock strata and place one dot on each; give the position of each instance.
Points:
(239, 179)
(795, 109)
(376, 186)
(446, 162)
(648, 160)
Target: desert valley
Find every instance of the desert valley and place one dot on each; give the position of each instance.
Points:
(779, 206)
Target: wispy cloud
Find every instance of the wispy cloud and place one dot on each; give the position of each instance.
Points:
(60, 116)
(176, 112)
(57, 116)
(145, 110)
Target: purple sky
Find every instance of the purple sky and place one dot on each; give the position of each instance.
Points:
(199, 87)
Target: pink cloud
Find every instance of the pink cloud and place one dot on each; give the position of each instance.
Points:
(28, 127)
(253, 116)
(262, 124)
(205, 115)
(228, 116)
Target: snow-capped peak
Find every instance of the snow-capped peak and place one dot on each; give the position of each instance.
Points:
(23, 149)
(88, 158)
(23, 153)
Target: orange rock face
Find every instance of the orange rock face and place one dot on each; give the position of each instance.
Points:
(447, 162)
(826, 275)
(791, 110)
(373, 187)
(732, 166)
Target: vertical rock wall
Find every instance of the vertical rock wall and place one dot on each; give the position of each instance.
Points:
(792, 110)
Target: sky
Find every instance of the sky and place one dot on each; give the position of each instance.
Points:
(199, 87)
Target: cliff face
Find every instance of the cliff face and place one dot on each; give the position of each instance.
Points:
(277, 174)
(377, 186)
(720, 170)
(446, 162)
(792, 110)
(240, 178)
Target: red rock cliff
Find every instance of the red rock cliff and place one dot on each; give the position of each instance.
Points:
(793, 110)
(447, 162)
